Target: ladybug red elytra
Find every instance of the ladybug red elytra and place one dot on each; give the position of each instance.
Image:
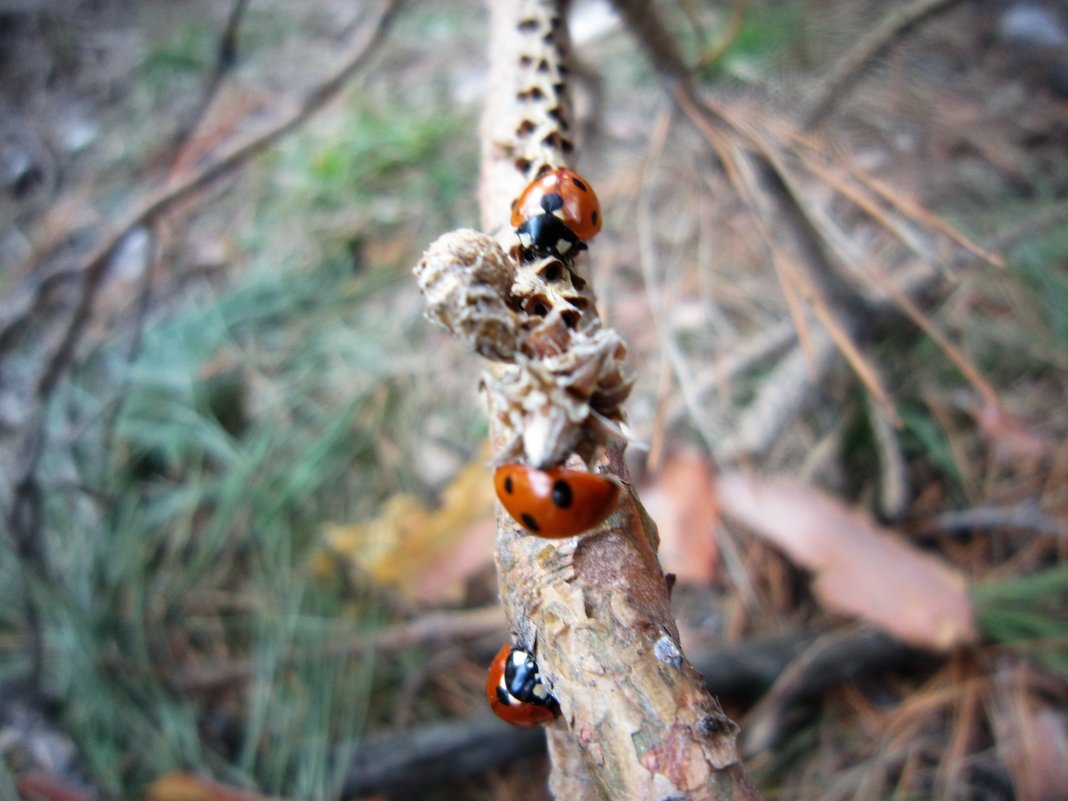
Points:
(515, 691)
(556, 502)
(556, 213)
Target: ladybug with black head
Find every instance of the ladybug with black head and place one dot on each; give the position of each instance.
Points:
(556, 214)
(515, 691)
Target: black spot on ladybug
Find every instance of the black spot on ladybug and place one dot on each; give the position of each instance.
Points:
(530, 522)
(529, 24)
(551, 202)
(593, 218)
(571, 319)
(580, 184)
(525, 61)
(508, 485)
(543, 66)
(561, 494)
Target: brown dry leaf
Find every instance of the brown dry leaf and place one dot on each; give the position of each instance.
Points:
(187, 787)
(860, 569)
(427, 554)
(682, 503)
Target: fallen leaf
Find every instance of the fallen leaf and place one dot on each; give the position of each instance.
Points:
(187, 787)
(860, 569)
(426, 554)
(681, 502)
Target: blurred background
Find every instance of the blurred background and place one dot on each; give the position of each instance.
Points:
(248, 523)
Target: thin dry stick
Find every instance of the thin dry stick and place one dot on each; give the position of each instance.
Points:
(723, 44)
(225, 58)
(759, 155)
(848, 70)
(181, 187)
(967, 368)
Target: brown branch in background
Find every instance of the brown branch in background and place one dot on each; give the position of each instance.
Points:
(827, 661)
(424, 630)
(835, 87)
(24, 517)
(225, 59)
(1026, 516)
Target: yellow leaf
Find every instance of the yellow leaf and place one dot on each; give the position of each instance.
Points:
(425, 554)
(186, 787)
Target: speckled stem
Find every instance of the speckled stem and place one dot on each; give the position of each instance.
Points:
(636, 720)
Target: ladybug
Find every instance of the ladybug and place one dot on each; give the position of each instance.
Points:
(515, 691)
(557, 502)
(556, 213)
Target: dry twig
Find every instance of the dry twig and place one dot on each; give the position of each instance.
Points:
(637, 721)
(770, 165)
(835, 87)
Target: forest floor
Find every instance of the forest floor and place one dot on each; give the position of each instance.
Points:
(248, 522)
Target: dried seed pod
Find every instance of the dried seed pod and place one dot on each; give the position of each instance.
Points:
(569, 402)
(563, 392)
(466, 278)
(547, 288)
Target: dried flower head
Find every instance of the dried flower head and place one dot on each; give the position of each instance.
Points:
(564, 387)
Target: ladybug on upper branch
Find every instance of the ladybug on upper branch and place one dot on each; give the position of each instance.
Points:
(556, 214)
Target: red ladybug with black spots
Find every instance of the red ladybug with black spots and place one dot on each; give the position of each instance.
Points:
(515, 690)
(556, 214)
(556, 502)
